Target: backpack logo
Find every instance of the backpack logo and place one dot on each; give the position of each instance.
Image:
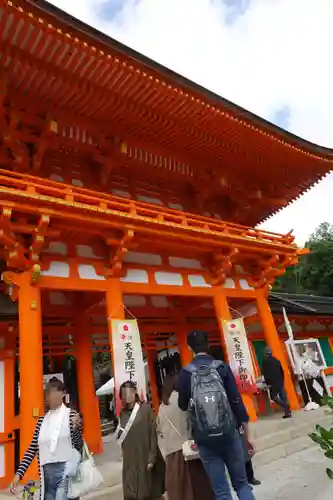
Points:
(210, 398)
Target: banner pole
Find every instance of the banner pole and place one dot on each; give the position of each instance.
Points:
(311, 405)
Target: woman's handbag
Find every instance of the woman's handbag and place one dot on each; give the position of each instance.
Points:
(190, 451)
(88, 477)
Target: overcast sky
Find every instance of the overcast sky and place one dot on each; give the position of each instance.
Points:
(273, 57)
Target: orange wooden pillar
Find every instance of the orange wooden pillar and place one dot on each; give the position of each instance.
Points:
(114, 310)
(151, 358)
(7, 413)
(31, 365)
(273, 341)
(223, 313)
(184, 352)
(86, 388)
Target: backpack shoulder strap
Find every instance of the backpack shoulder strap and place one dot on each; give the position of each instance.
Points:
(216, 364)
(191, 368)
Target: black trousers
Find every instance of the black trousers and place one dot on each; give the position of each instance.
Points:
(279, 395)
(249, 471)
(316, 397)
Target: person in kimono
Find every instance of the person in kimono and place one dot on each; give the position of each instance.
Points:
(143, 464)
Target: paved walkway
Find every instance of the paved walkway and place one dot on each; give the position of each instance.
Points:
(299, 477)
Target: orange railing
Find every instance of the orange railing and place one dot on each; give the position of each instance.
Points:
(31, 194)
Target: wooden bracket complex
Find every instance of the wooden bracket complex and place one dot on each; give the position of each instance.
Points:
(39, 238)
(14, 250)
(271, 269)
(222, 266)
(50, 129)
(117, 258)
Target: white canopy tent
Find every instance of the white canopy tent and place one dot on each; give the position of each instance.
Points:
(106, 389)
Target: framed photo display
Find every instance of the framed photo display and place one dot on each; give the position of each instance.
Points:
(306, 350)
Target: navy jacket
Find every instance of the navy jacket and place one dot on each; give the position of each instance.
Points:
(229, 382)
(273, 372)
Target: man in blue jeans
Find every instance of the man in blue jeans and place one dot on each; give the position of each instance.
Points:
(221, 451)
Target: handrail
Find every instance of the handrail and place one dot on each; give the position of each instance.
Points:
(140, 204)
(19, 187)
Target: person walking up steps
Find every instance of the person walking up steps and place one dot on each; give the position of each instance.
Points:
(208, 390)
(274, 377)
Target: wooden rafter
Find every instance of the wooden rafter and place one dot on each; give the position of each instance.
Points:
(75, 131)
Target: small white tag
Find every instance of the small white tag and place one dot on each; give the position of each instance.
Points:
(318, 388)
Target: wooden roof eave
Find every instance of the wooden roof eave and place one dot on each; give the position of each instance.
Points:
(93, 35)
(302, 304)
(317, 161)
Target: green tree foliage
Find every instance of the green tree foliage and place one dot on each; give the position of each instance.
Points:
(314, 272)
(324, 438)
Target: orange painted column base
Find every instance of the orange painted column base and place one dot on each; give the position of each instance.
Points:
(223, 313)
(273, 341)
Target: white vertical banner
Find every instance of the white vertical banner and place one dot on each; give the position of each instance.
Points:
(239, 354)
(127, 356)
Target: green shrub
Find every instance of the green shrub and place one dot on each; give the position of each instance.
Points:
(324, 438)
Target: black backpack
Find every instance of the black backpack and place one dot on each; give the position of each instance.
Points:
(210, 411)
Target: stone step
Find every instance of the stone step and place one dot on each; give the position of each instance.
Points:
(271, 425)
(283, 450)
(107, 428)
(290, 432)
(286, 437)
